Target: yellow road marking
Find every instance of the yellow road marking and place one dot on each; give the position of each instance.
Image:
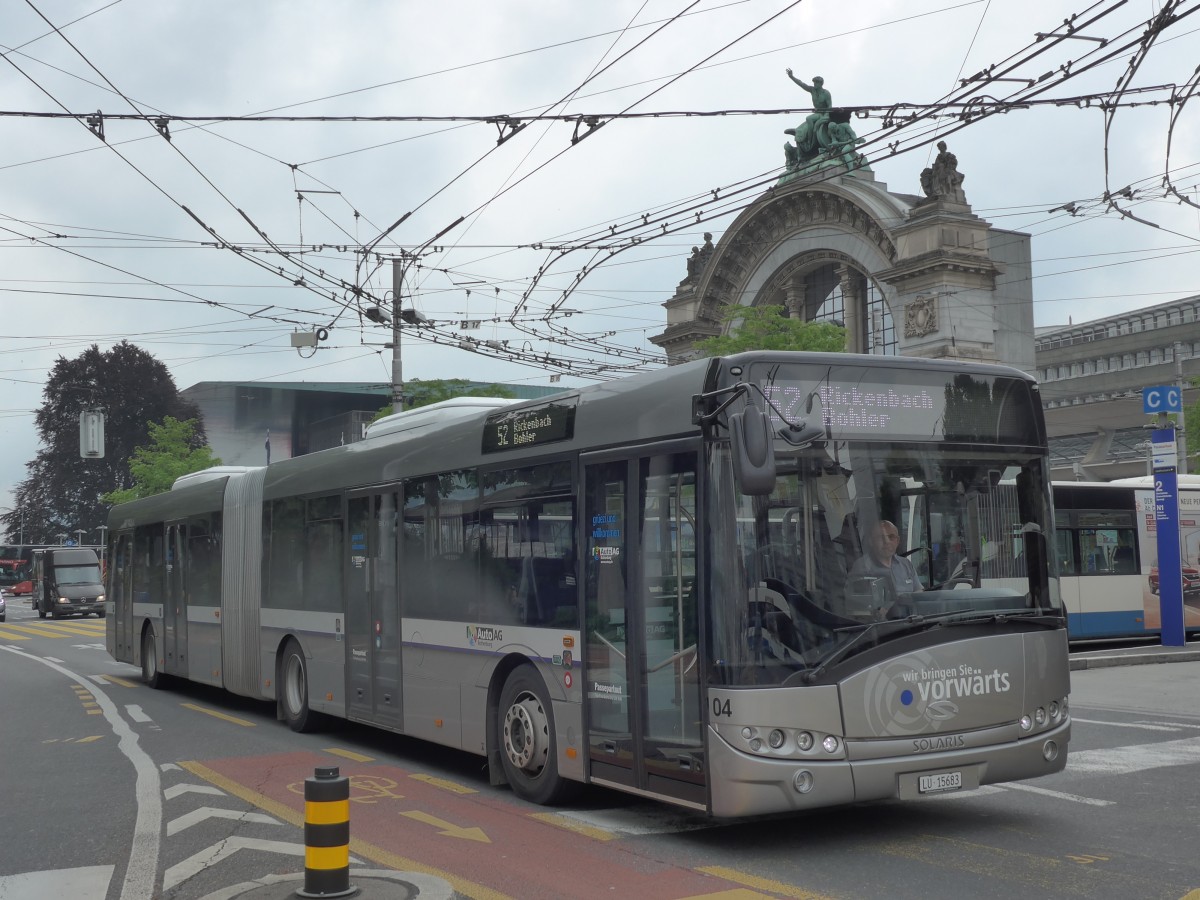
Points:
(88, 740)
(357, 847)
(449, 829)
(76, 628)
(13, 636)
(445, 785)
(561, 821)
(95, 712)
(349, 754)
(246, 723)
(762, 884)
(39, 630)
(123, 682)
(735, 894)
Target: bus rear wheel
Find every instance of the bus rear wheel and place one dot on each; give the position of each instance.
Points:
(528, 744)
(293, 690)
(150, 672)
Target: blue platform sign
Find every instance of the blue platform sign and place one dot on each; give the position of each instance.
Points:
(1170, 566)
(1162, 399)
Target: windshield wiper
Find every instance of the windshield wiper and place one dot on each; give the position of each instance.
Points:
(838, 653)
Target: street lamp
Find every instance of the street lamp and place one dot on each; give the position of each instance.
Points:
(103, 529)
(79, 533)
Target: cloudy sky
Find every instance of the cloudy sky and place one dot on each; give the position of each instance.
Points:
(211, 248)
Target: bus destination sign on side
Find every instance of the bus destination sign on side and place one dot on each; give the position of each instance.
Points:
(527, 428)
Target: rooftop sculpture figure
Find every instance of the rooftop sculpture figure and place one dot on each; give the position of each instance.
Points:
(824, 137)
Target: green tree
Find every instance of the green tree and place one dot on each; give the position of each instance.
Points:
(170, 453)
(419, 393)
(767, 328)
(63, 492)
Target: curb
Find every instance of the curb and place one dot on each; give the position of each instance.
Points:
(1133, 659)
(384, 884)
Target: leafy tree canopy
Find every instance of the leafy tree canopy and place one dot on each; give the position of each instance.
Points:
(767, 328)
(419, 393)
(63, 492)
(170, 453)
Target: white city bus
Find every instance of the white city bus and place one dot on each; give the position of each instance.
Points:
(1107, 556)
(643, 584)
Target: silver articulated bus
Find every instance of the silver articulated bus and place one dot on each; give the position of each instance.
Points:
(651, 584)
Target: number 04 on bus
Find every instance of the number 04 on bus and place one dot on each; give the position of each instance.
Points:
(753, 584)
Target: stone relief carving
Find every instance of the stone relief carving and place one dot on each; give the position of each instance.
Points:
(920, 317)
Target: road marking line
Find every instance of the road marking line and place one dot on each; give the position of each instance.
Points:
(349, 754)
(196, 816)
(10, 636)
(88, 740)
(123, 682)
(1058, 795)
(1125, 724)
(142, 869)
(762, 884)
(559, 821)
(358, 847)
(136, 713)
(1135, 758)
(449, 829)
(246, 723)
(735, 894)
(39, 630)
(85, 881)
(443, 784)
(176, 790)
(194, 865)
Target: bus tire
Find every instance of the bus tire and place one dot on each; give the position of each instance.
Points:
(150, 671)
(41, 612)
(528, 744)
(293, 689)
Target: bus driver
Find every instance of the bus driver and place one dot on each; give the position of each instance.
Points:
(881, 559)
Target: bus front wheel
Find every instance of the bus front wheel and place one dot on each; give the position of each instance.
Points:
(293, 689)
(529, 747)
(150, 672)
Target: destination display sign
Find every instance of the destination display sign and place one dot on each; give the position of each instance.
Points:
(529, 427)
(897, 404)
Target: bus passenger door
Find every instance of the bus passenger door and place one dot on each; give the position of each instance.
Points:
(175, 605)
(641, 666)
(372, 613)
(120, 634)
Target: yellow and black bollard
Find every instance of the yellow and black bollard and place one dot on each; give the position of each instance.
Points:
(327, 835)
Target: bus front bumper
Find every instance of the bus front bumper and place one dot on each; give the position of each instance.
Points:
(746, 785)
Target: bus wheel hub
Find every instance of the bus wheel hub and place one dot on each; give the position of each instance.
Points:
(526, 733)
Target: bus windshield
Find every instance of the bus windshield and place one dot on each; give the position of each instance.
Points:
(864, 541)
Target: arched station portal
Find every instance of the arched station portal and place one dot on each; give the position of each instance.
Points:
(905, 275)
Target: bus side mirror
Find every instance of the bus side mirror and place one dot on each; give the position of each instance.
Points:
(753, 454)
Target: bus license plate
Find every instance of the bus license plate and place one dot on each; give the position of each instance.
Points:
(942, 781)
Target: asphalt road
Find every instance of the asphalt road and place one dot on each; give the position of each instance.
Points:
(114, 791)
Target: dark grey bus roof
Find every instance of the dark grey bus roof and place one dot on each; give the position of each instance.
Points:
(646, 407)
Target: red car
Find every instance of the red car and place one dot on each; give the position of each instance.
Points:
(1191, 580)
